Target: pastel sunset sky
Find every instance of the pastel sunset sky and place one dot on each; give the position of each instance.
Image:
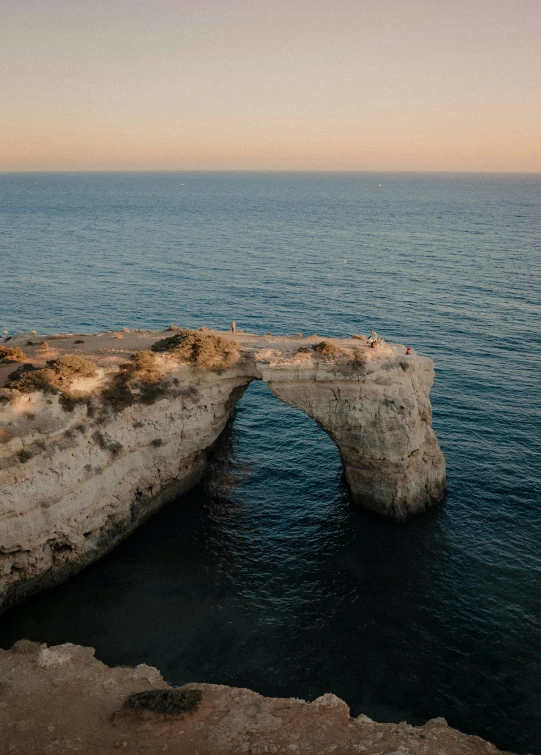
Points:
(270, 85)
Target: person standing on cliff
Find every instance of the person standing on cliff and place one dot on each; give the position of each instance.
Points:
(233, 326)
(373, 339)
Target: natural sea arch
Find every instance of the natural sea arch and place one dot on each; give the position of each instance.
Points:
(89, 479)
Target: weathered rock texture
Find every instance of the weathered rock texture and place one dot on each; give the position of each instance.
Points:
(62, 700)
(76, 479)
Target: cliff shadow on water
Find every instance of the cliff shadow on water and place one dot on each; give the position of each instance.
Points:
(266, 576)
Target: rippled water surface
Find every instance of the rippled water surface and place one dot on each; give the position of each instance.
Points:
(265, 575)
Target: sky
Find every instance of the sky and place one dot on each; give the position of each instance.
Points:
(437, 85)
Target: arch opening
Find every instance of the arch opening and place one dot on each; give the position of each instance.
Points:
(223, 570)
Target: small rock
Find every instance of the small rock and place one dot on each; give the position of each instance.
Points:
(332, 701)
(151, 674)
(439, 721)
(60, 655)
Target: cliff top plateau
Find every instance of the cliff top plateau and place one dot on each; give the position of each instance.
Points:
(61, 700)
(111, 348)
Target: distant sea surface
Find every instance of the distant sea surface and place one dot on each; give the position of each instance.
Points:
(266, 576)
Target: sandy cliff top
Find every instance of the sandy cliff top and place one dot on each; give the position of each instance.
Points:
(112, 348)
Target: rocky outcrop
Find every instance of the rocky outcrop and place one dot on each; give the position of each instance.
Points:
(78, 475)
(380, 418)
(61, 699)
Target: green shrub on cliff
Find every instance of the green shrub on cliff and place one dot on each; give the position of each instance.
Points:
(198, 347)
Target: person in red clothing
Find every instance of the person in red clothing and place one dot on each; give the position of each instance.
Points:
(408, 350)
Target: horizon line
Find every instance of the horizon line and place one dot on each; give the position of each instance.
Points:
(273, 170)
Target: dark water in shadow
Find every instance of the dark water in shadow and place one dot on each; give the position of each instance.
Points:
(268, 577)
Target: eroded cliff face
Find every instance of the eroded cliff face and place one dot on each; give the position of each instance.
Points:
(91, 480)
(61, 699)
(76, 477)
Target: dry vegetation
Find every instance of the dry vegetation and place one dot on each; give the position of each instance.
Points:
(172, 702)
(25, 647)
(205, 349)
(329, 349)
(118, 394)
(143, 366)
(360, 357)
(141, 374)
(56, 377)
(112, 447)
(15, 354)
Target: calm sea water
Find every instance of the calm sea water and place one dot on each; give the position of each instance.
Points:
(266, 576)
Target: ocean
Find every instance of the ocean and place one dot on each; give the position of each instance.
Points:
(265, 575)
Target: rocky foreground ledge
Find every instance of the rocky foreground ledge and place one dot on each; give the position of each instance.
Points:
(61, 700)
(98, 431)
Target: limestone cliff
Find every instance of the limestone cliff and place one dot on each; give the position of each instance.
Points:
(62, 700)
(80, 470)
